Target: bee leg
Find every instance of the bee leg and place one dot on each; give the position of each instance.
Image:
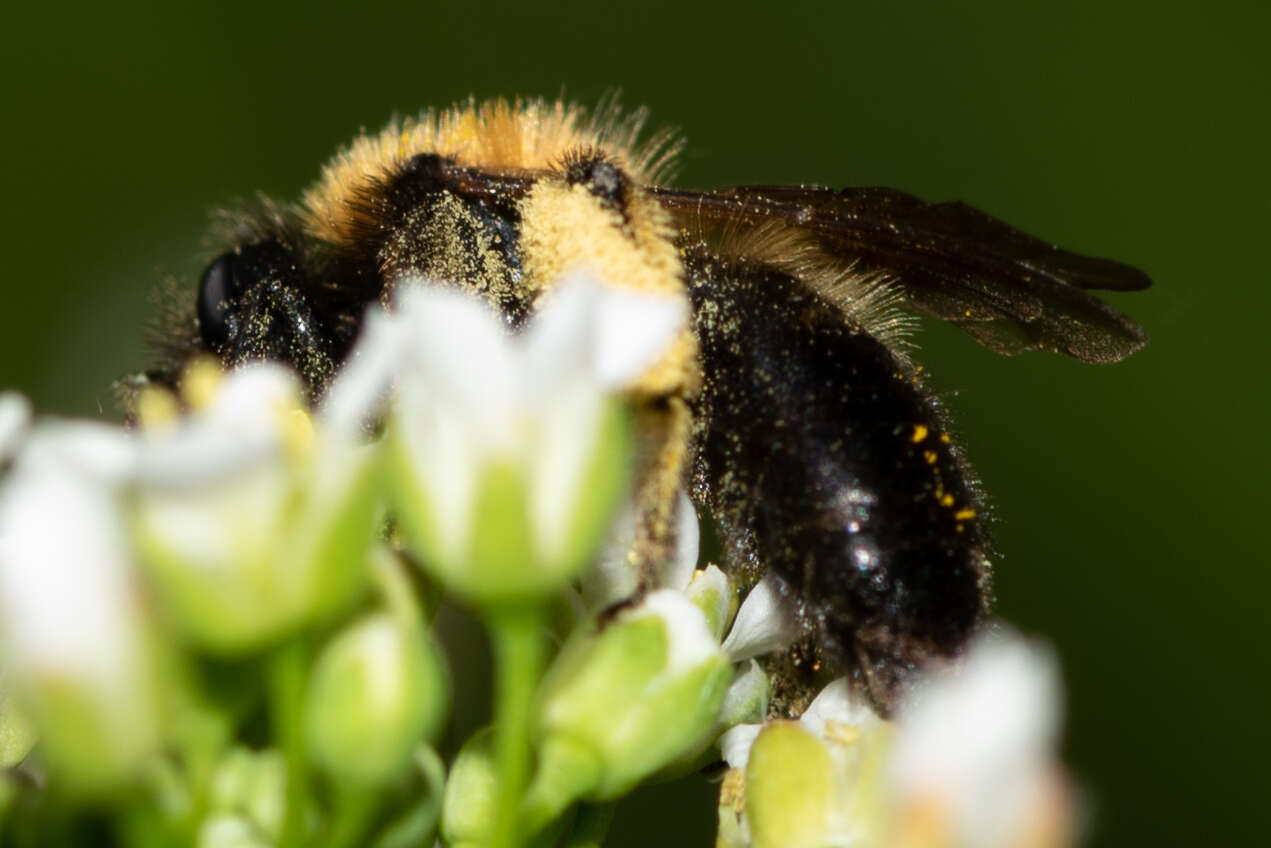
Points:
(664, 426)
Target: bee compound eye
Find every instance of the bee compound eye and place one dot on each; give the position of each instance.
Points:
(217, 290)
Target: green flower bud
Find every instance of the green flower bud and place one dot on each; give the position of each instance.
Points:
(467, 808)
(747, 697)
(248, 788)
(621, 704)
(17, 732)
(813, 782)
(228, 831)
(377, 690)
(790, 788)
(712, 592)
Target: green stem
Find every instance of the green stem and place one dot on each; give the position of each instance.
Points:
(592, 826)
(354, 811)
(566, 771)
(518, 653)
(288, 668)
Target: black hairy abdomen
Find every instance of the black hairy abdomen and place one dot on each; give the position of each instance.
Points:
(824, 459)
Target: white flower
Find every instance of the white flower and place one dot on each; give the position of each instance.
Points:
(520, 430)
(766, 622)
(72, 620)
(810, 782)
(15, 418)
(252, 520)
(979, 744)
(836, 714)
(968, 762)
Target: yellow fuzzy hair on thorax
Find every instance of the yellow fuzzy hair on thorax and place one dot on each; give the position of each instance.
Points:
(496, 135)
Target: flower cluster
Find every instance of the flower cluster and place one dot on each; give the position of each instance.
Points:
(218, 627)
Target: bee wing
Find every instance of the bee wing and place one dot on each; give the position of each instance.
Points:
(1009, 290)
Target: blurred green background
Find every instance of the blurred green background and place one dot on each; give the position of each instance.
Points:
(1132, 498)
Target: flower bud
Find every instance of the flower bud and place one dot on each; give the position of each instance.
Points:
(468, 806)
(747, 698)
(248, 790)
(18, 734)
(790, 788)
(621, 704)
(377, 690)
(712, 592)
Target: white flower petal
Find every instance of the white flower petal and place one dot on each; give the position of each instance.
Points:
(240, 430)
(563, 451)
(15, 419)
(445, 454)
(691, 642)
(713, 594)
(214, 525)
(677, 570)
(981, 739)
(735, 744)
(559, 344)
(837, 703)
(611, 333)
(461, 355)
(66, 598)
(766, 622)
(747, 696)
(634, 330)
(366, 376)
(614, 576)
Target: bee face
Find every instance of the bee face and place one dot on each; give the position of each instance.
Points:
(789, 407)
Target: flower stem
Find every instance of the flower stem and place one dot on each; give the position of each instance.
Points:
(355, 809)
(591, 826)
(517, 639)
(287, 670)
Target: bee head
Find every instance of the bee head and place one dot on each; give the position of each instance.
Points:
(252, 304)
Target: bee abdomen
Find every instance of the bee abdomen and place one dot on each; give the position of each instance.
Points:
(823, 457)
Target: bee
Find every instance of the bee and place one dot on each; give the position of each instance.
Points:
(790, 406)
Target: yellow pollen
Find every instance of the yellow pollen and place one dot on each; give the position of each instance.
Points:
(157, 409)
(930, 456)
(297, 433)
(200, 382)
(946, 500)
(920, 433)
(964, 514)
